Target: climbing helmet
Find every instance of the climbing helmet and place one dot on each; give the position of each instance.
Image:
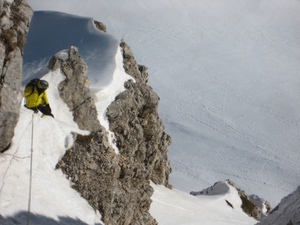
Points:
(42, 84)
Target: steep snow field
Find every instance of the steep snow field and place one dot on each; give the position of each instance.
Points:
(53, 201)
(227, 73)
(176, 207)
(52, 198)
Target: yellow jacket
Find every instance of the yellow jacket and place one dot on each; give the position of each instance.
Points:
(33, 98)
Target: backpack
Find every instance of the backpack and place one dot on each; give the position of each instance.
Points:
(32, 83)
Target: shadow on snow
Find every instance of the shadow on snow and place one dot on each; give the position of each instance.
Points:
(34, 219)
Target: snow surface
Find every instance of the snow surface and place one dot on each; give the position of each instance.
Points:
(287, 211)
(176, 207)
(53, 201)
(52, 197)
(70, 30)
(227, 73)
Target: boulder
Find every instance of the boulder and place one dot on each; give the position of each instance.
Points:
(14, 22)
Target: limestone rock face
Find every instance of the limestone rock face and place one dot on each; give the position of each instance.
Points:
(14, 23)
(74, 90)
(108, 182)
(118, 185)
(139, 130)
(138, 72)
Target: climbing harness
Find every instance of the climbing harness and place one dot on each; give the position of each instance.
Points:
(30, 179)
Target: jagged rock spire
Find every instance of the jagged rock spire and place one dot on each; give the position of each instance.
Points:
(118, 185)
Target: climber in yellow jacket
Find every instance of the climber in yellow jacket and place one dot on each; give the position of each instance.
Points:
(36, 97)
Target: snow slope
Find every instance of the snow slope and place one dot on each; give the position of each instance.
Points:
(176, 207)
(227, 73)
(52, 200)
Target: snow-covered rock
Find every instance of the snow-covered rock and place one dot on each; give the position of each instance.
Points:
(221, 187)
(253, 206)
(287, 212)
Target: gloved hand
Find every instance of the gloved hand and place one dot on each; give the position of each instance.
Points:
(48, 106)
(35, 110)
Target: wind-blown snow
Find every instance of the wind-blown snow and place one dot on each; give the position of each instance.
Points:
(94, 46)
(100, 51)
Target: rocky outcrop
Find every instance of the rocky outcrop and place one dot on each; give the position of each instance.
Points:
(256, 209)
(14, 22)
(138, 72)
(100, 26)
(135, 121)
(74, 90)
(118, 185)
(287, 212)
(252, 206)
